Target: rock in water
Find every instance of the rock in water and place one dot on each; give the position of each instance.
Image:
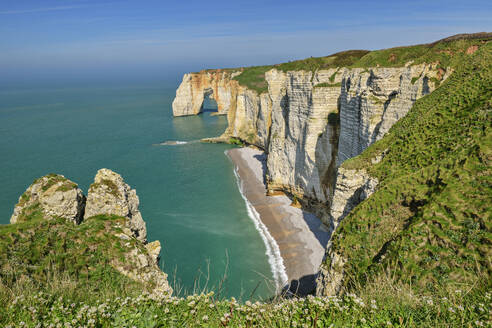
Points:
(109, 194)
(50, 197)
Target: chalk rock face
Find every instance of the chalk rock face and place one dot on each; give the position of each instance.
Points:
(50, 197)
(141, 264)
(109, 194)
(196, 86)
(309, 123)
(330, 277)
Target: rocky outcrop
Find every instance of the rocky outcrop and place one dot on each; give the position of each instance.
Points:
(109, 194)
(142, 264)
(330, 276)
(195, 87)
(352, 187)
(49, 197)
(54, 196)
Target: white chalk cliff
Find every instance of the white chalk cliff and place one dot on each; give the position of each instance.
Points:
(309, 123)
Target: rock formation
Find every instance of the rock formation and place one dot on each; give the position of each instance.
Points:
(54, 196)
(50, 197)
(310, 122)
(109, 194)
(142, 264)
(196, 86)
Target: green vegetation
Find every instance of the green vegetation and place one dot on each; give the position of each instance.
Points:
(68, 185)
(254, 78)
(33, 307)
(113, 189)
(430, 220)
(326, 84)
(447, 53)
(236, 141)
(415, 79)
(418, 250)
(31, 212)
(37, 252)
(436, 81)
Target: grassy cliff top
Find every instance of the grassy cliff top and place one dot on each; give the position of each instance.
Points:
(62, 257)
(429, 222)
(448, 52)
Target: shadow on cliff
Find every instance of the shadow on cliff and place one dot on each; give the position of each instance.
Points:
(302, 287)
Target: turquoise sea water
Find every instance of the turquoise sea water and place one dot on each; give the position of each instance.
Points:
(188, 193)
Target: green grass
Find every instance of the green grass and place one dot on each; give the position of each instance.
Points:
(458, 309)
(430, 220)
(329, 85)
(111, 186)
(448, 53)
(39, 251)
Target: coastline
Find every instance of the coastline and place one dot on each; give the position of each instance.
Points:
(295, 240)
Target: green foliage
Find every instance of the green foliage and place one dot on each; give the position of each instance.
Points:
(448, 53)
(326, 84)
(110, 185)
(67, 186)
(430, 219)
(31, 212)
(35, 252)
(254, 78)
(236, 141)
(52, 180)
(414, 79)
(454, 310)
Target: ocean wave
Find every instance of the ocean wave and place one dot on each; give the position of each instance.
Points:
(272, 250)
(176, 143)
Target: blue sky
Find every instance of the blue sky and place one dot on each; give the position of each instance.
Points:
(83, 38)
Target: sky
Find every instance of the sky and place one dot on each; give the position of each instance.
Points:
(83, 39)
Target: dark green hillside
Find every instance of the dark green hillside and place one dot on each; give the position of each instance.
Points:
(430, 220)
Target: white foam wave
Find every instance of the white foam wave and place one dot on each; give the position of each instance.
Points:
(272, 250)
(176, 142)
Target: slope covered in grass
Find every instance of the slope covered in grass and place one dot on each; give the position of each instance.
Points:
(429, 222)
(59, 256)
(448, 52)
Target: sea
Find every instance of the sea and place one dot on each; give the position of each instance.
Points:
(189, 195)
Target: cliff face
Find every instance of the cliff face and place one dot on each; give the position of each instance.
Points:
(309, 123)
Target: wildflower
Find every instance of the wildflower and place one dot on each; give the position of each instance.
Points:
(166, 310)
(479, 323)
(451, 309)
(205, 318)
(363, 320)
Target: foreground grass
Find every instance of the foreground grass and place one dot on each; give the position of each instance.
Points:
(39, 309)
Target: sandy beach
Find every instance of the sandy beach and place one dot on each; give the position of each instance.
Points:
(299, 236)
